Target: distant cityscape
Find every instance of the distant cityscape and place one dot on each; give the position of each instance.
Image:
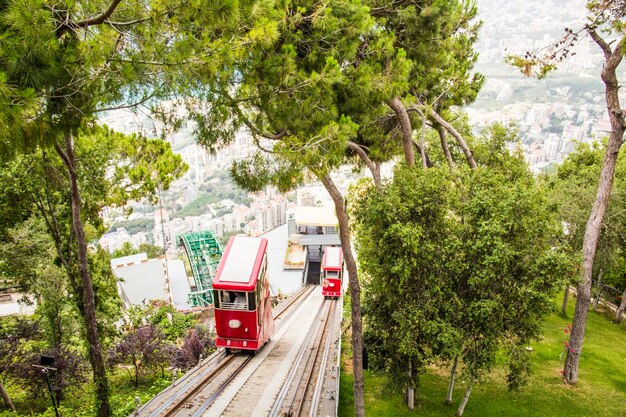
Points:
(251, 214)
(551, 114)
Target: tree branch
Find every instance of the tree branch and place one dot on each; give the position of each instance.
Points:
(456, 135)
(101, 18)
(444, 145)
(422, 139)
(372, 167)
(126, 106)
(63, 155)
(125, 24)
(601, 42)
(427, 162)
(244, 119)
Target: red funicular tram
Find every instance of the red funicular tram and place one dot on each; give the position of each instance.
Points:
(241, 295)
(332, 271)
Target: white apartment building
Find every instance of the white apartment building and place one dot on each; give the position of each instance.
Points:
(115, 240)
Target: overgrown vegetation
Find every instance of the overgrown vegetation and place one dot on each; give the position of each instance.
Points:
(155, 342)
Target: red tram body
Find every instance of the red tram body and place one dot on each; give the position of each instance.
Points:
(241, 295)
(332, 272)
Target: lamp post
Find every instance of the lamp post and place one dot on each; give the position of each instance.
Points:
(45, 364)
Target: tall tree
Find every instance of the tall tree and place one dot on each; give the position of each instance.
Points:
(114, 169)
(448, 266)
(404, 240)
(314, 83)
(73, 59)
(572, 188)
(605, 27)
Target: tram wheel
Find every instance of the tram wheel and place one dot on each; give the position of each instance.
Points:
(228, 351)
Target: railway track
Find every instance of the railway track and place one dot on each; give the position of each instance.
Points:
(197, 391)
(298, 395)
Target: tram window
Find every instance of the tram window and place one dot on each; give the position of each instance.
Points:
(332, 274)
(216, 299)
(228, 297)
(240, 298)
(251, 301)
(234, 300)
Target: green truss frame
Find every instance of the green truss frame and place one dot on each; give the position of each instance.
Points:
(204, 252)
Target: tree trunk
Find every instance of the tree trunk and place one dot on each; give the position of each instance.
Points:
(355, 294)
(596, 300)
(456, 135)
(405, 127)
(444, 145)
(410, 390)
(95, 351)
(622, 307)
(592, 231)
(461, 409)
(423, 140)
(451, 383)
(5, 398)
(565, 299)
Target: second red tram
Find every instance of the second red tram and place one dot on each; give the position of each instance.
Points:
(241, 296)
(332, 271)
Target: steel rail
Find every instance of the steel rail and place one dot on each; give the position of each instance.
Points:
(196, 385)
(211, 360)
(209, 401)
(284, 306)
(306, 377)
(317, 394)
(306, 291)
(282, 394)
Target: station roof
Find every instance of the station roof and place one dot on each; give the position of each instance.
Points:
(146, 280)
(129, 260)
(241, 263)
(143, 281)
(333, 258)
(315, 216)
(319, 240)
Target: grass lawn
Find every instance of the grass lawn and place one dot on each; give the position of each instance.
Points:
(600, 392)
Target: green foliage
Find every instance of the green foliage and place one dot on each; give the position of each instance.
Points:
(406, 283)
(25, 261)
(172, 323)
(134, 226)
(108, 302)
(449, 267)
(572, 190)
(437, 37)
(151, 251)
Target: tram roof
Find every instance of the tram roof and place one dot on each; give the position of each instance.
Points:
(333, 258)
(241, 263)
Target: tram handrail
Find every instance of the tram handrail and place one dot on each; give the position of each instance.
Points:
(233, 306)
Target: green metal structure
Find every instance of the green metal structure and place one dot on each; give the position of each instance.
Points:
(204, 252)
